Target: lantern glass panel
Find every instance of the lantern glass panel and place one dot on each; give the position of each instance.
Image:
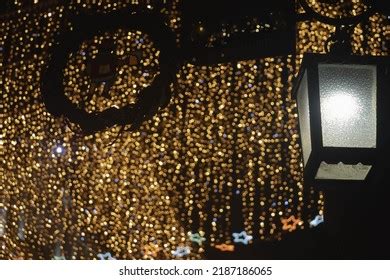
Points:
(304, 117)
(348, 105)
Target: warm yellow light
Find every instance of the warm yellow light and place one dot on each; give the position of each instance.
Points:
(226, 136)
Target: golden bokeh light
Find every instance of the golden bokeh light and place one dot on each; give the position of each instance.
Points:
(223, 157)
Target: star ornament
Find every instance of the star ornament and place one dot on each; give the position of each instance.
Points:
(105, 256)
(290, 224)
(181, 251)
(317, 220)
(225, 247)
(242, 237)
(197, 238)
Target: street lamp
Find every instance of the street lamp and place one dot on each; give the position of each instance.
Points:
(342, 107)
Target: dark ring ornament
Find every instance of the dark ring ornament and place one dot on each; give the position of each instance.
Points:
(149, 99)
(335, 21)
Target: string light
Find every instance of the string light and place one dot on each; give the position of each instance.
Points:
(224, 155)
(151, 250)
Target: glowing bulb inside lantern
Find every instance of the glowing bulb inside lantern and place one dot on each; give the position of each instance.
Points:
(341, 106)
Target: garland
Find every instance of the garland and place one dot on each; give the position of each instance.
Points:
(149, 99)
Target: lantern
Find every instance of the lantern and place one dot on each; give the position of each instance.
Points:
(342, 108)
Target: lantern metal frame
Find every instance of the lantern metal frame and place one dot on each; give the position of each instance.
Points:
(346, 155)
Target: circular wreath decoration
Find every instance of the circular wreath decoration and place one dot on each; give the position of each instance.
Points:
(346, 20)
(149, 100)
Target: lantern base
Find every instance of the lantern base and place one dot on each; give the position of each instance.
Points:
(341, 171)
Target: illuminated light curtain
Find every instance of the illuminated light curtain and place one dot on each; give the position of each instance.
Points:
(223, 157)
